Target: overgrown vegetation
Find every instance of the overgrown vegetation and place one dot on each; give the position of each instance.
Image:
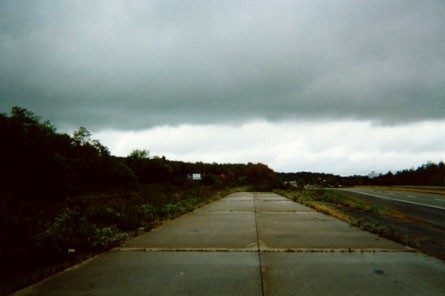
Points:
(99, 222)
(62, 194)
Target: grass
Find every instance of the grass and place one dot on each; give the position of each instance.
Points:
(330, 211)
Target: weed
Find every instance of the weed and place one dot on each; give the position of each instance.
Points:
(330, 211)
(374, 227)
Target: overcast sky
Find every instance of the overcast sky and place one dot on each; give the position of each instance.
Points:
(344, 87)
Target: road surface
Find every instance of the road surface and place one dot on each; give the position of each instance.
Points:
(253, 244)
(430, 200)
(427, 207)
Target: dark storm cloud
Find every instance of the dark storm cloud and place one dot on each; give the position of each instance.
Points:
(137, 64)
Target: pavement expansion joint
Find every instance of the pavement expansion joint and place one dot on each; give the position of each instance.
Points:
(333, 250)
(142, 249)
(285, 211)
(265, 250)
(230, 211)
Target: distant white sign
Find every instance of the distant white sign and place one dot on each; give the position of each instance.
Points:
(195, 177)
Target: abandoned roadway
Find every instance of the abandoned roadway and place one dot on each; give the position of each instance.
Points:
(253, 244)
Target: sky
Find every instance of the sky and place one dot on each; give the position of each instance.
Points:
(342, 86)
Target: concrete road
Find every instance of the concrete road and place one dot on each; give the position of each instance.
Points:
(253, 244)
(427, 207)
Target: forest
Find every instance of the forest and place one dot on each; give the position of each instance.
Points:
(429, 174)
(63, 195)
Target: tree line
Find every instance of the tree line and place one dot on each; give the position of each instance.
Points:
(429, 174)
(40, 163)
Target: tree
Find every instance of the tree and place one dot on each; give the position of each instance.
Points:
(139, 154)
(260, 175)
(82, 137)
(138, 163)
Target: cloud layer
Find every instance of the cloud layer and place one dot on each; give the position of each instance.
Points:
(345, 147)
(139, 64)
(337, 86)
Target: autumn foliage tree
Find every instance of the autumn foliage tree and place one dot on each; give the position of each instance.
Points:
(260, 176)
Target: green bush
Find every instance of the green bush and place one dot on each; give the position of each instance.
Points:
(170, 210)
(68, 230)
(106, 237)
(147, 214)
(71, 230)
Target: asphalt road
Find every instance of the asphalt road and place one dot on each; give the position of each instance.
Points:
(426, 207)
(253, 244)
(421, 199)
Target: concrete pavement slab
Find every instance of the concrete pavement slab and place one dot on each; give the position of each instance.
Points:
(228, 206)
(240, 196)
(233, 202)
(157, 273)
(226, 224)
(275, 203)
(269, 196)
(352, 274)
(280, 206)
(313, 230)
(216, 230)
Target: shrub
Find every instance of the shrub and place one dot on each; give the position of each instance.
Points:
(147, 215)
(106, 237)
(68, 230)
